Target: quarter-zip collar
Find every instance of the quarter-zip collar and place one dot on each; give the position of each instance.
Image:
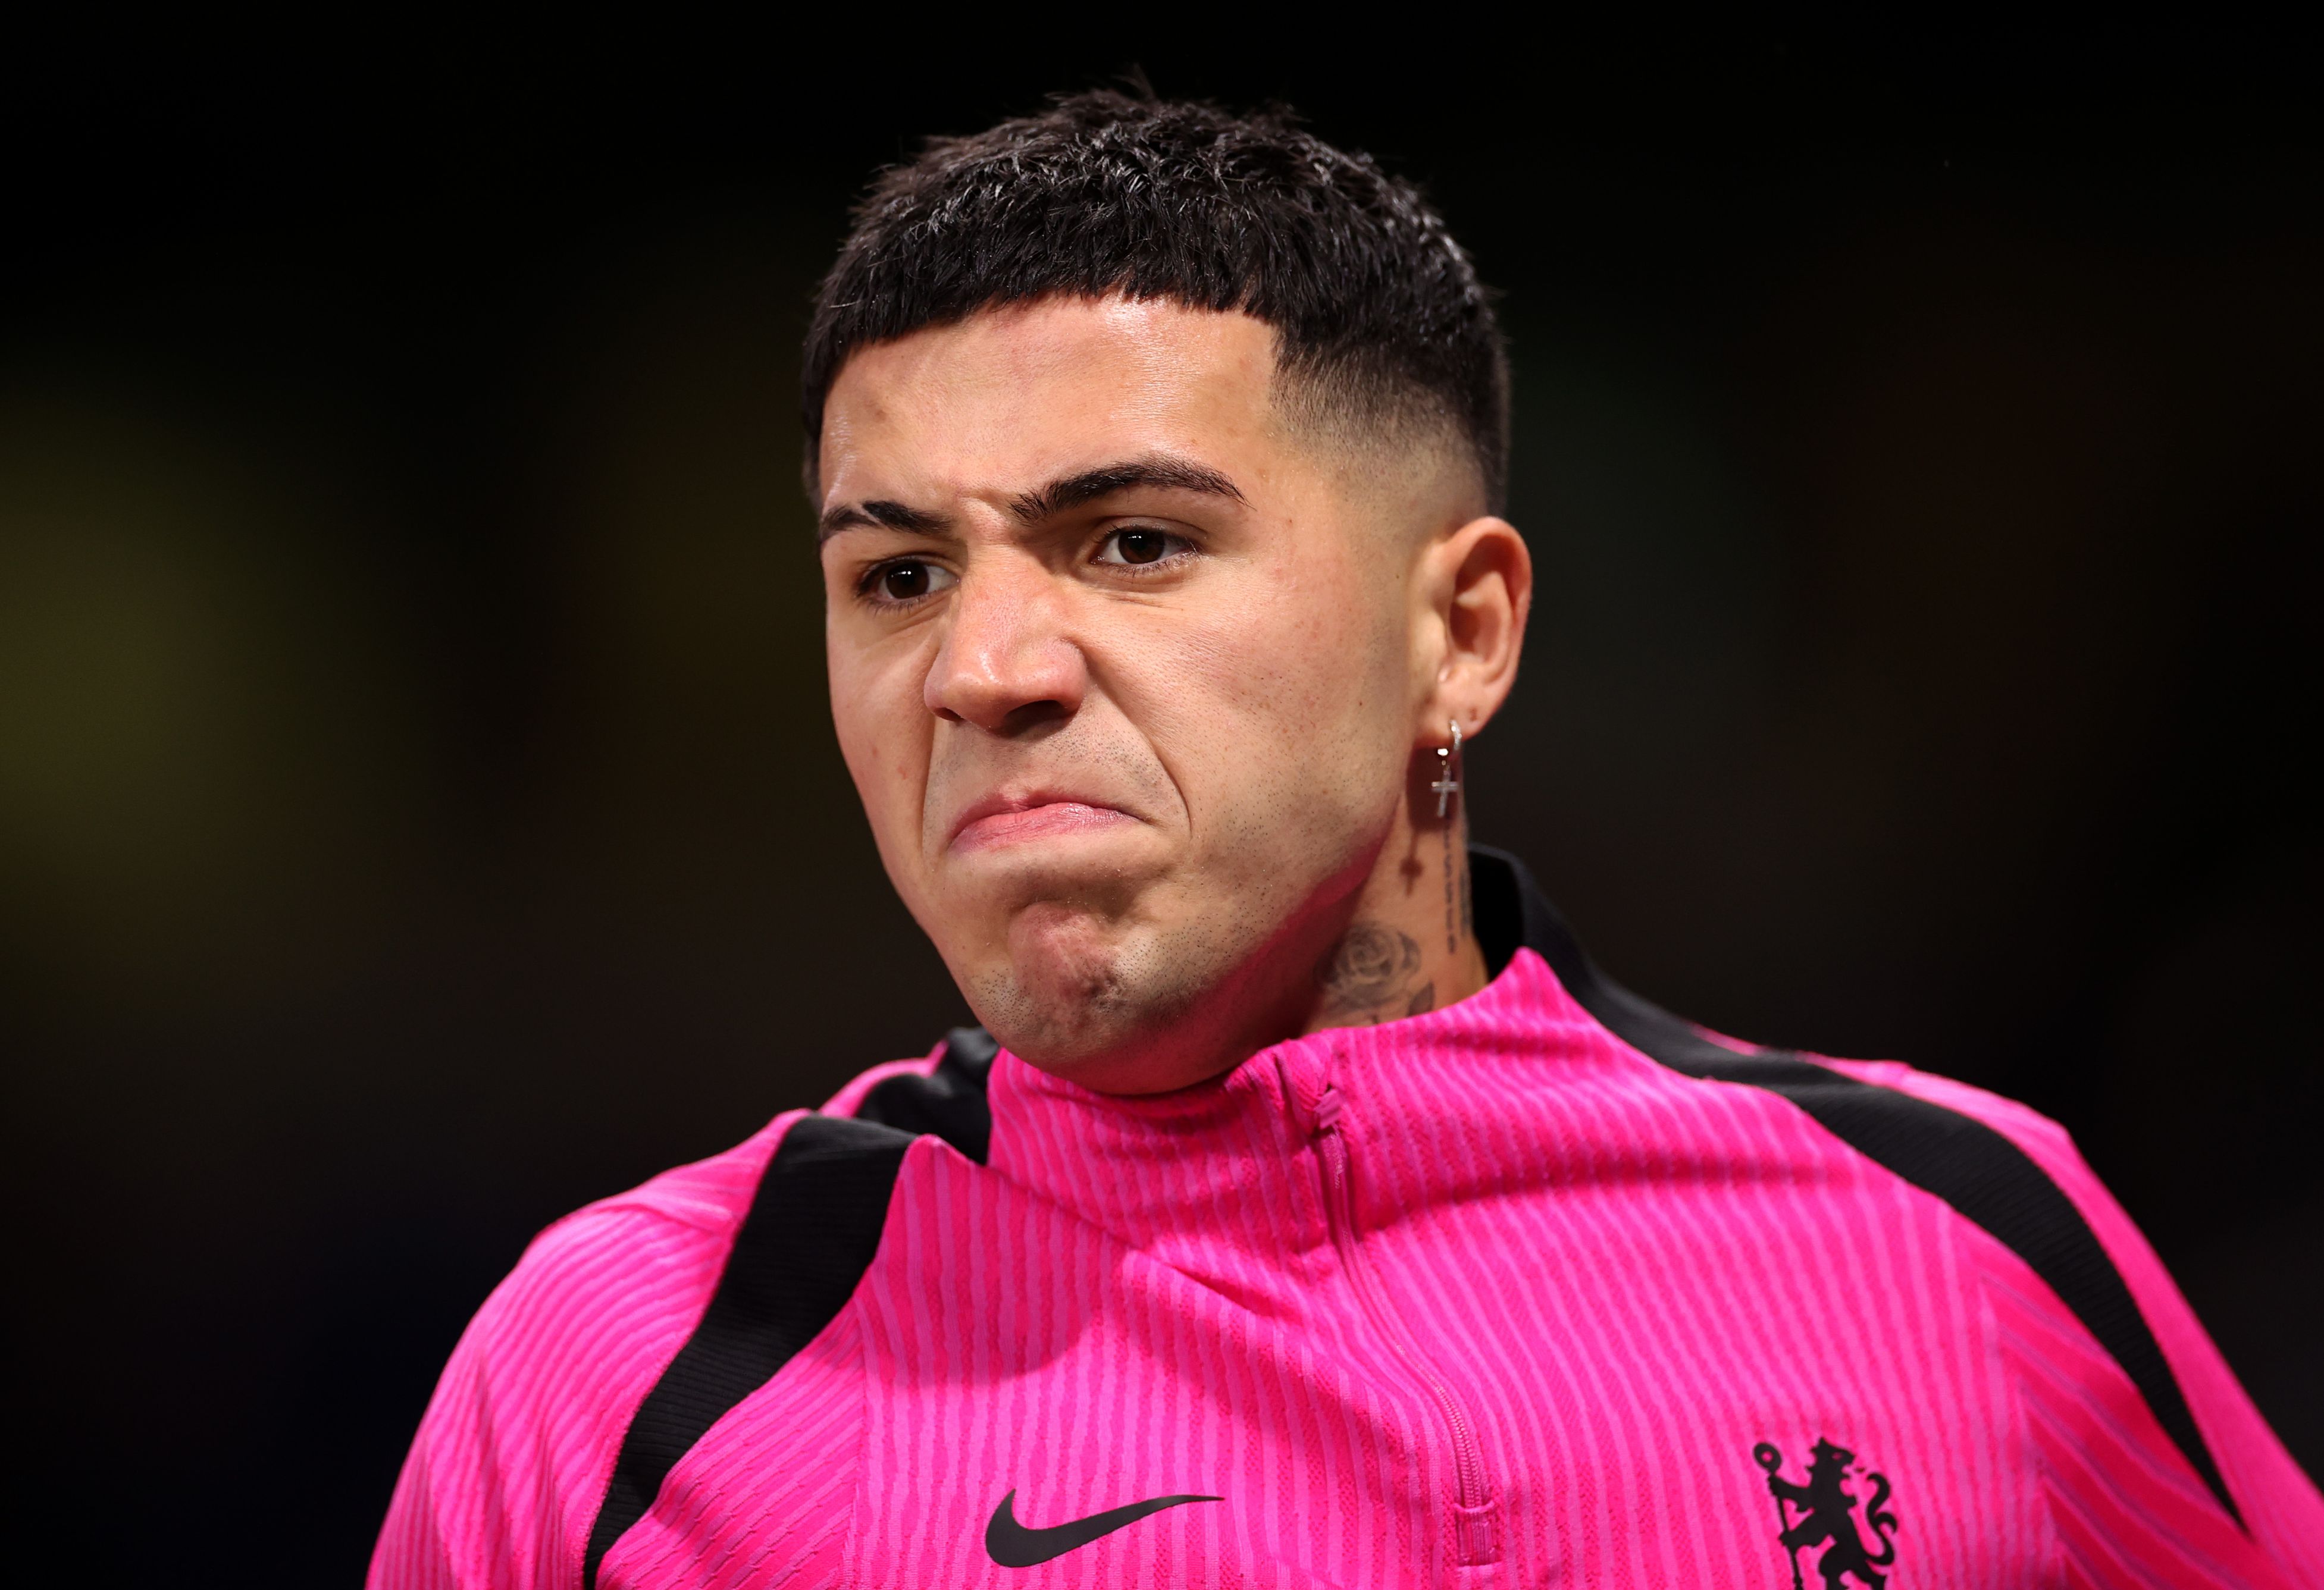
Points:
(1230, 1161)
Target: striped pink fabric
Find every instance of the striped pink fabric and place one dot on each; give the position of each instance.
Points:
(1481, 1298)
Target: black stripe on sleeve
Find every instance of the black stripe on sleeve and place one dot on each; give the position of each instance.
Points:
(1975, 1169)
(811, 1233)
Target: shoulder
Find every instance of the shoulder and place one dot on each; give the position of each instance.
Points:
(654, 1249)
(2186, 1393)
(813, 1226)
(627, 1276)
(2101, 1341)
(576, 1347)
(2004, 1169)
(669, 1238)
(520, 1431)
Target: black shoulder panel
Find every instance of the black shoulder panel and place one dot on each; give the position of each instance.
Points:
(810, 1234)
(1977, 1170)
(949, 1102)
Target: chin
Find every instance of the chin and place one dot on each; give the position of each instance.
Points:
(1061, 1035)
(1099, 1000)
(1069, 988)
(1070, 958)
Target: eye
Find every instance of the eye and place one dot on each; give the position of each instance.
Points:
(906, 580)
(1136, 545)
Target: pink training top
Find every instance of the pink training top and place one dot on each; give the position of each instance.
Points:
(1542, 1287)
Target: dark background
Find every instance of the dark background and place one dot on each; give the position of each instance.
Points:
(419, 812)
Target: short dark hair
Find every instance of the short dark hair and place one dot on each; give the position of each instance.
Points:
(1376, 310)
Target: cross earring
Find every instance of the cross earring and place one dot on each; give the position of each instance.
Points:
(1448, 758)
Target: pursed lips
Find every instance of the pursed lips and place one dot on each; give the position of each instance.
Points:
(1010, 819)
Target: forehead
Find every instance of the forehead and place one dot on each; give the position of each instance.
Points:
(1029, 391)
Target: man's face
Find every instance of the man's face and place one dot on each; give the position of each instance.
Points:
(1122, 667)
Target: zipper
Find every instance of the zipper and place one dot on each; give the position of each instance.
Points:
(1476, 1540)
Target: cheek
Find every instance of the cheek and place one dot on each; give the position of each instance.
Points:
(1316, 651)
(1297, 688)
(883, 732)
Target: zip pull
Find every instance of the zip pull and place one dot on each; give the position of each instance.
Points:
(1331, 1140)
(1329, 1109)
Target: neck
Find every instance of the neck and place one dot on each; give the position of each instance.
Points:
(1410, 945)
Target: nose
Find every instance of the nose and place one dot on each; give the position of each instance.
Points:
(1006, 663)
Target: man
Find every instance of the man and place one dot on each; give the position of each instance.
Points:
(1308, 1210)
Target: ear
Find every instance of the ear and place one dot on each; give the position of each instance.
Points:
(1479, 586)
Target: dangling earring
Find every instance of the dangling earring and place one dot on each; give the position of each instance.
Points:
(1447, 785)
(1448, 766)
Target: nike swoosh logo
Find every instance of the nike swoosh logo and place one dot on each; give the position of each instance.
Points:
(1013, 1546)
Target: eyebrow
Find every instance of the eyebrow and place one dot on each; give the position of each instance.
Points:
(1159, 473)
(877, 515)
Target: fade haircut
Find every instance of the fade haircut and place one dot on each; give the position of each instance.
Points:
(1379, 316)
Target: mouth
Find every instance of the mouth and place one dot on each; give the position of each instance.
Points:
(1000, 820)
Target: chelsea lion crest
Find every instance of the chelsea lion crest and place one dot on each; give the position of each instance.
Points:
(1819, 1517)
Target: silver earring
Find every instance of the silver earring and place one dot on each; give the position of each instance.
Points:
(1448, 760)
